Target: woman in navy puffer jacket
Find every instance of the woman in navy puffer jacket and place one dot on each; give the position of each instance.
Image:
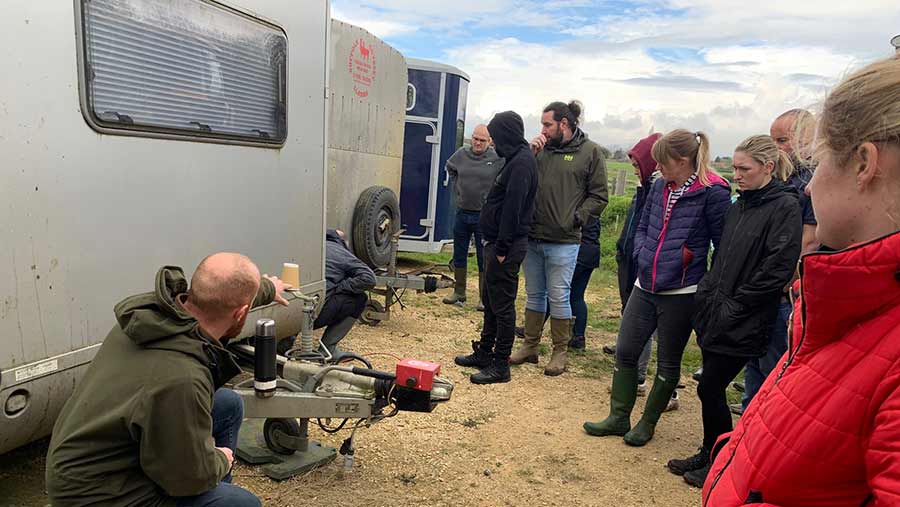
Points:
(682, 216)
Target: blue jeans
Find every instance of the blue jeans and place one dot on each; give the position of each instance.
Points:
(223, 495)
(759, 368)
(227, 415)
(580, 280)
(548, 277)
(465, 226)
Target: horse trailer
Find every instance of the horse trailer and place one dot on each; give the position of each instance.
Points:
(142, 133)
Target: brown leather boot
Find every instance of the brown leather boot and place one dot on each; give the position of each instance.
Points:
(561, 333)
(528, 352)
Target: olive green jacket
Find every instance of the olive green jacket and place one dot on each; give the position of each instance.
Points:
(138, 429)
(571, 187)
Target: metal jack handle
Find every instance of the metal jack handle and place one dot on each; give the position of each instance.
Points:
(307, 340)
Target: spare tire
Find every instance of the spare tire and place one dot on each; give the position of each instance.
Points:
(376, 219)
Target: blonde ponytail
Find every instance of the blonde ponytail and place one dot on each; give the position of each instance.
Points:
(783, 166)
(704, 166)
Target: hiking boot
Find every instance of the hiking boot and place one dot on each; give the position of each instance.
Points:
(520, 331)
(657, 401)
(479, 358)
(528, 352)
(480, 305)
(673, 403)
(736, 409)
(621, 402)
(496, 372)
(697, 374)
(561, 333)
(695, 462)
(459, 288)
(696, 478)
(609, 349)
(577, 344)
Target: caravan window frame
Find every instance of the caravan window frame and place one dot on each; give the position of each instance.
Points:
(162, 132)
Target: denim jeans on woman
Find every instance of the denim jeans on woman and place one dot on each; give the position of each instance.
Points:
(580, 280)
(548, 277)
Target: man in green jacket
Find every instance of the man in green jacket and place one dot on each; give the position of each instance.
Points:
(142, 427)
(571, 188)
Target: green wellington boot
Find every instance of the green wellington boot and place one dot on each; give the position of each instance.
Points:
(657, 400)
(621, 402)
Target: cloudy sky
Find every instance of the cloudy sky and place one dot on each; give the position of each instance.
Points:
(726, 67)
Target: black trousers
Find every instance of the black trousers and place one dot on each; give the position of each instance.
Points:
(669, 316)
(501, 285)
(338, 307)
(718, 372)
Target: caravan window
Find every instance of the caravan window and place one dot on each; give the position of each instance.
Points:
(183, 67)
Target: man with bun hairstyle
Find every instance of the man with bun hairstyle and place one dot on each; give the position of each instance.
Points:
(571, 188)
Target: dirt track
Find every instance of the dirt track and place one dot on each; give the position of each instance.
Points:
(519, 443)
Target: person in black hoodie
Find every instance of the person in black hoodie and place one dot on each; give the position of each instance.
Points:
(737, 301)
(505, 221)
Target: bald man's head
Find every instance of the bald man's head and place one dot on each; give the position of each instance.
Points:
(222, 283)
(481, 139)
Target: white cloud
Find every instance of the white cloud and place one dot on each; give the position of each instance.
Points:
(733, 67)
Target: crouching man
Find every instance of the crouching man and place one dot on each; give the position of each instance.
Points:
(347, 280)
(150, 424)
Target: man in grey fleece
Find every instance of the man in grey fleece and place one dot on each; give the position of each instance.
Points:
(473, 169)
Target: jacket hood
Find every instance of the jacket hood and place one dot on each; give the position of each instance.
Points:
(156, 320)
(574, 144)
(508, 133)
(152, 316)
(641, 153)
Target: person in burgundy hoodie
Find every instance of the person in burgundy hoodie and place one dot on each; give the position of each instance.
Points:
(683, 214)
(824, 429)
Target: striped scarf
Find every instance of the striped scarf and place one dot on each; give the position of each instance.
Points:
(675, 194)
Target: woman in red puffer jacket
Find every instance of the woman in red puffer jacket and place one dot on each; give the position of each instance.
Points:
(825, 427)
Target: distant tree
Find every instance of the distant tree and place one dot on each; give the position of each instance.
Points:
(605, 151)
(620, 155)
(717, 160)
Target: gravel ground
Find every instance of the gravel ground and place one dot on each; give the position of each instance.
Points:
(519, 443)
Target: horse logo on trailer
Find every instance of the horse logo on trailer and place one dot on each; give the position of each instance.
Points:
(362, 67)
